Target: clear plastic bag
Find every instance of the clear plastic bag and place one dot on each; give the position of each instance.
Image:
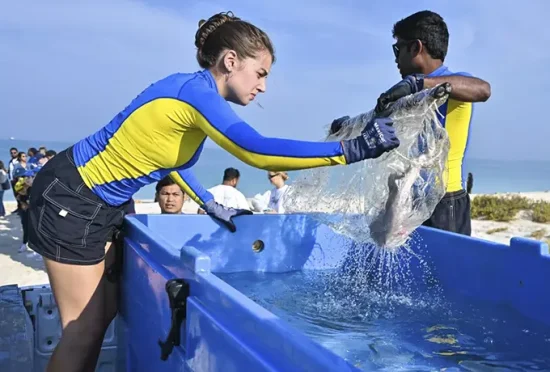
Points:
(382, 201)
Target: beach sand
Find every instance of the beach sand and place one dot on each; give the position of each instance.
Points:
(17, 268)
(27, 269)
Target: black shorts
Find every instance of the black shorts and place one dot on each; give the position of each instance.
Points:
(128, 208)
(452, 214)
(68, 223)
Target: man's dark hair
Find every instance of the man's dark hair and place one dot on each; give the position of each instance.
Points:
(14, 148)
(32, 151)
(428, 27)
(51, 153)
(230, 174)
(166, 181)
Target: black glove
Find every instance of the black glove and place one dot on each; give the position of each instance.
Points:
(337, 124)
(409, 85)
(224, 214)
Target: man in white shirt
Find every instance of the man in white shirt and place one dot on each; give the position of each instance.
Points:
(227, 193)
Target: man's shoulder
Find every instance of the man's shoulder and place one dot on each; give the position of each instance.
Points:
(448, 72)
(445, 71)
(222, 188)
(215, 188)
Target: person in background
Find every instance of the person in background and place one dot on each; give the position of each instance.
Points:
(227, 193)
(31, 152)
(420, 49)
(21, 161)
(31, 158)
(24, 179)
(4, 185)
(169, 196)
(13, 161)
(50, 154)
(40, 159)
(42, 150)
(11, 168)
(276, 196)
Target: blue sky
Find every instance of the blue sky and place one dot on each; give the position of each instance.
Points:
(70, 66)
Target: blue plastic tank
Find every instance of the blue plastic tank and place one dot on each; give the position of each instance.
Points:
(223, 330)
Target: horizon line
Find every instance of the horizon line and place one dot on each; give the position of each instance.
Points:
(221, 149)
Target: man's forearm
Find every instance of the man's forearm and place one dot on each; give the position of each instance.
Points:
(464, 88)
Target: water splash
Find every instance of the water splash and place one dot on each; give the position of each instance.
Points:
(374, 281)
(371, 283)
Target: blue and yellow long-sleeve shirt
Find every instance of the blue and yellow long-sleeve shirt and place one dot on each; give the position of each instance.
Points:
(162, 132)
(456, 118)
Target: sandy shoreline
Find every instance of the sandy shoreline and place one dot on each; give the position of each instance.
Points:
(27, 269)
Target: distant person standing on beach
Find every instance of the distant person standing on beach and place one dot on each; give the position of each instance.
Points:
(23, 188)
(40, 160)
(21, 162)
(13, 161)
(276, 196)
(32, 160)
(79, 197)
(50, 154)
(11, 168)
(4, 185)
(421, 47)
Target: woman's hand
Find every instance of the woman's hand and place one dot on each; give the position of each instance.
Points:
(377, 138)
(224, 214)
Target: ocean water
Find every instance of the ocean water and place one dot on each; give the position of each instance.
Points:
(388, 331)
(489, 175)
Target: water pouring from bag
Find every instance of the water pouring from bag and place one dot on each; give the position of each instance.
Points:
(382, 201)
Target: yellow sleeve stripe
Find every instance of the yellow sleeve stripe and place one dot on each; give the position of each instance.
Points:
(185, 187)
(267, 162)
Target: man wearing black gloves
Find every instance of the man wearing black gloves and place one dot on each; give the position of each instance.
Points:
(420, 49)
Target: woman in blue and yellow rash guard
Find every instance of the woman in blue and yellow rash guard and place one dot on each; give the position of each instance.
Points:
(82, 194)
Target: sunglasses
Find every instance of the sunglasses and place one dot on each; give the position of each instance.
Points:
(397, 46)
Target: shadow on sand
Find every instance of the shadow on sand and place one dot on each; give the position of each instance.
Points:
(11, 238)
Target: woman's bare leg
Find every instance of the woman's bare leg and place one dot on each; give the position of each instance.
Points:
(81, 296)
